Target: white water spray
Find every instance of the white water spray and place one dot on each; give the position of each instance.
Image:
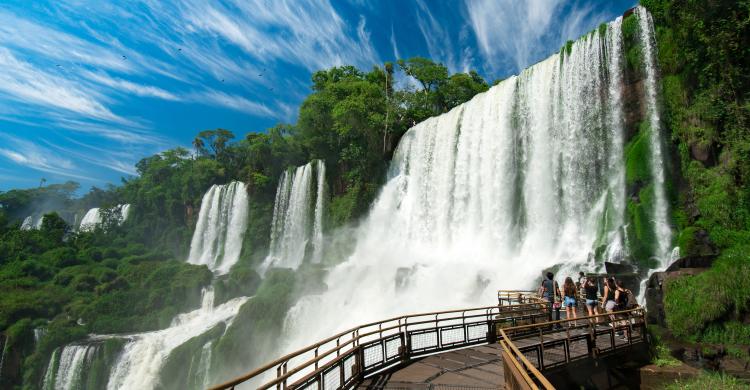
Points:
(74, 361)
(662, 227)
(222, 221)
(142, 358)
(297, 216)
(525, 176)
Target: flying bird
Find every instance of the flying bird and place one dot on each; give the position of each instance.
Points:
(124, 58)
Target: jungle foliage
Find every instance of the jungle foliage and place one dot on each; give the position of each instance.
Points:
(704, 56)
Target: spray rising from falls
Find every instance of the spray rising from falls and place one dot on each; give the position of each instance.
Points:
(298, 216)
(526, 176)
(139, 364)
(222, 221)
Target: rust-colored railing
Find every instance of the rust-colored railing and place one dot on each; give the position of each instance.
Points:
(517, 370)
(581, 338)
(343, 360)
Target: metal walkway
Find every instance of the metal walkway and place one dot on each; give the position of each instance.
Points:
(509, 345)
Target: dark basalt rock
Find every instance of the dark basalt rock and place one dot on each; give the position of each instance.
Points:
(691, 262)
(618, 268)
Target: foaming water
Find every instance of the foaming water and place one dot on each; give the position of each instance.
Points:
(140, 363)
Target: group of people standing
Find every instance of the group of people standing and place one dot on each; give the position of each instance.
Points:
(614, 297)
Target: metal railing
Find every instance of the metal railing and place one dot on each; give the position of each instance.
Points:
(345, 359)
(595, 336)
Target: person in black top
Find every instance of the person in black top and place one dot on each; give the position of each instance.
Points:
(590, 291)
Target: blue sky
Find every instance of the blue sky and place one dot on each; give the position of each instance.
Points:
(87, 88)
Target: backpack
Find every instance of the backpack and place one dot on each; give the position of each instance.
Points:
(627, 300)
(632, 302)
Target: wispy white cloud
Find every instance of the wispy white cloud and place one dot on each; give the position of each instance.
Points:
(439, 42)
(129, 87)
(31, 155)
(118, 161)
(238, 103)
(122, 134)
(310, 33)
(24, 83)
(514, 34)
(396, 54)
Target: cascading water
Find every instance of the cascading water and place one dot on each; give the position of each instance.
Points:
(662, 228)
(32, 222)
(526, 176)
(297, 216)
(49, 374)
(93, 218)
(222, 221)
(320, 204)
(72, 366)
(217, 242)
(139, 364)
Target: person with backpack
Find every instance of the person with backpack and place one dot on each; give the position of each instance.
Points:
(625, 300)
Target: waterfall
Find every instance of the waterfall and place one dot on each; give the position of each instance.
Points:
(661, 219)
(38, 334)
(72, 367)
(93, 218)
(139, 364)
(2, 355)
(204, 365)
(90, 220)
(222, 221)
(49, 374)
(297, 216)
(525, 176)
(320, 196)
(32, 222)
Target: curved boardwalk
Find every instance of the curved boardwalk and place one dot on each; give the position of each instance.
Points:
(481, 367)
(509, 345)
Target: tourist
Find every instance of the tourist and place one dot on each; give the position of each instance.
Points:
(581, 280)
(621, 300)
(569, 294)
(608, 298)
(590, 291)
(549, 291)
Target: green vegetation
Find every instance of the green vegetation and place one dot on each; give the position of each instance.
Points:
(705, 86)
(709, 380)
(706, 307)
(660, 354)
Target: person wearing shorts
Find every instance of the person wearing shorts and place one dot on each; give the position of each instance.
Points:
(608, 299)
(590, 289)
(569, 300)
